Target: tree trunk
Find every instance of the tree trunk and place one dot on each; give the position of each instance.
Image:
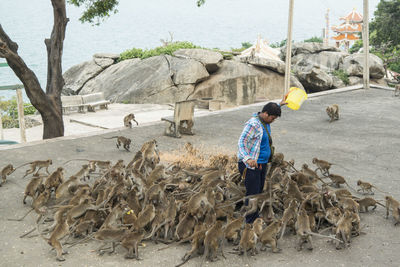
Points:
(48, 104)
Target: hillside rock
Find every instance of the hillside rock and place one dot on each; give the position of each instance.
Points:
(210, 59)
(353, 65)
(240, 84)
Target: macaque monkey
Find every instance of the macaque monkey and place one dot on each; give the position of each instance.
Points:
(55, 179)
(333, 112)
(395, 205)
(337, 180)
(343, 229)
(7, 170)
(367, 202)
(232, 230)
(107, 236)
(32, 188)
(128, 120)
(37, 164)
(288, 215)
(248, 240)
(367, 187)
(131, 241)
(268, 236)
(122, 141)
(83, 172)
(213, 240)
(61, 229)
(322, 165)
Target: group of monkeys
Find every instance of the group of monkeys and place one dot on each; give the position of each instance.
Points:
(128, 203)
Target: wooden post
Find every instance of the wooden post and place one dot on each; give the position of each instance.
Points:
(21, 119)
(366, 44)
(288, 49)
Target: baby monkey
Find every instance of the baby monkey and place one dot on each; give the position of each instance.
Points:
(333, 112)
(128, 120)
(7, 170)
(121, 141)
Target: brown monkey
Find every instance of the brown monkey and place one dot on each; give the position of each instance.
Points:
(322, 165)
(248, 240)
(333, 112)
(367, 187)
(122, 141)
(288, 215)
(367, 202)
(232, 230)
(61, 229)
(395, 205)
(127, 120)
(107, 236)
(7, 170)
(337, 180)
(312, 175)
(268, 236)
(185, 226)
(213, 240)
(63, 189)
(130, 241)
(83, 172)
(55, 179)
(32, 188)
(37, 204)
(343, 229)
(37, 164)
(145, 217)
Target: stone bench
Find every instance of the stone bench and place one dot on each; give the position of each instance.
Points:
(94, 100)
(182, 121)
(72, 101)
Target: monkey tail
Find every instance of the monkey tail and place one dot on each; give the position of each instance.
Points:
(380, 204)
(110, 137)
(379, 189)
(75, 160)
(325, 236)
(22, 166)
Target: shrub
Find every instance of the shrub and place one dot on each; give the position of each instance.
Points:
(160, 50)
(341, 74)
(314, 39)
(9, 112)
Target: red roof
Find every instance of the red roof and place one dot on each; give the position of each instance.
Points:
(348, 36)
(347, 28)
(353, 17)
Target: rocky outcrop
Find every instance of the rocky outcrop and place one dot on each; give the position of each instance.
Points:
(77, 76)
(210, 59)
(307, 48)
(353, 65)
(239, 84)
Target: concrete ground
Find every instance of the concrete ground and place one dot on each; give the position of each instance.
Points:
(364, 143)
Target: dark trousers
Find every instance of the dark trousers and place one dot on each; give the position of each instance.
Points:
(254, 183)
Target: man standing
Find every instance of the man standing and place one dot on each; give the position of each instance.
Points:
(255, 150)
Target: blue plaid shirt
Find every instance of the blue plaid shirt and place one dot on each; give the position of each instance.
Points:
(250, 140)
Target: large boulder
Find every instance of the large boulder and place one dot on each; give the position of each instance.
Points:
(210, 59)
(354, 66)
(160, 79)
(275, 65)
(76, 76)
(326, 60)
(307, 48)
(315, 79)
(240, 84)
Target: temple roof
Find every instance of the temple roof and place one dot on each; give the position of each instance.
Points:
(347, 28)
(353, 17)
(348, 36)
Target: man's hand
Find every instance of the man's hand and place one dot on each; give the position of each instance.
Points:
(283, 101)
(252, 163)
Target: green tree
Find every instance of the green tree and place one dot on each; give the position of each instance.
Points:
(385, 26)
(48, 102)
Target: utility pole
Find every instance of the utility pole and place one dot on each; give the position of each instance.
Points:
(326, 40)
(289, 48)
(366, 44)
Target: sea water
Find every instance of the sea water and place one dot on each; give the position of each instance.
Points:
(223, 24)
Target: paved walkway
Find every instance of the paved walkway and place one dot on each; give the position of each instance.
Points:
(364, 143)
